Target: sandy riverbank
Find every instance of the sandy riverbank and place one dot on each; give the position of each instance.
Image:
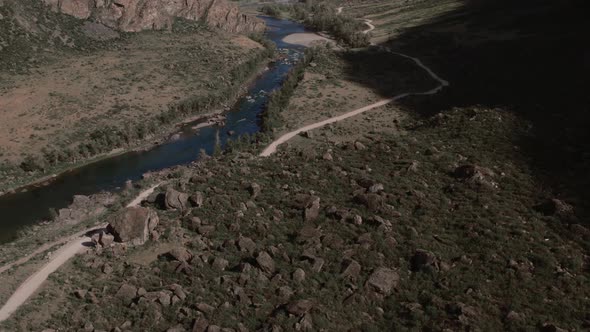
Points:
(306, 39)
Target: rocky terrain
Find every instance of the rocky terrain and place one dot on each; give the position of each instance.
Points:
(387, 232)
(462, 211)
(137, 15)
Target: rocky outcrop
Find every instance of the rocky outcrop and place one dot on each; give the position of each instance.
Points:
(133, 225)
(137, 15)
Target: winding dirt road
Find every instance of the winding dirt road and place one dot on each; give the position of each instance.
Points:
(272, 148)
(75, 244)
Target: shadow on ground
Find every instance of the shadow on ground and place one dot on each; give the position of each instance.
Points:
(527, 57)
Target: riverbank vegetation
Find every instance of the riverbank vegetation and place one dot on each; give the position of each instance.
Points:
(322, 16)
(110, 100)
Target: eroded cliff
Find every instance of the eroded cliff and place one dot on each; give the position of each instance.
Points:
(137, 15)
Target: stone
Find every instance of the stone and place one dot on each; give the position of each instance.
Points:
(197, 199)
(220, 264)
(254, 189)
(359, 146)
(299, 275)
(299, 307)
(318, 264)
(373, 202)
(204, 307)
(107, 269)
(80, 293)
(200, 325)
(126, 293)
(376, 188)
(352, 269)
(383, 280)
(175, 200)
(305, 323)
(106, 240)
(246, 244)
(177, 328)
(265, 262)
(181, 254)
(423, 259)
(164, 298)
(312, 209)
(133, 225)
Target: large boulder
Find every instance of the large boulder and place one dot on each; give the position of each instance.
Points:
(133, 225)
(175, 200)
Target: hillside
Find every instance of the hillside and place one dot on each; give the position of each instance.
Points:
(448, 207)
(388, 232)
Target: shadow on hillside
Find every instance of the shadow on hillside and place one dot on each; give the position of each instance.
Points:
(531, 57)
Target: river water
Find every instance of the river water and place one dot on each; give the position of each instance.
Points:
(33, 205)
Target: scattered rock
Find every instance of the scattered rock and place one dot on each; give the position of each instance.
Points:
(197, 199)
(265, 262)
(299, 307)
(384, 280)
(133, 225)
(254, 189)
(181, 254)
(352, 269)
(126, 293)
(359, 146)
(312, 209)
(175, 200)
(299, 275)
(200, 325)
(376, 188)
(80, 293)
(220, 264)
(423, 259)
(246, 244)
(106, 240)
(204, 307)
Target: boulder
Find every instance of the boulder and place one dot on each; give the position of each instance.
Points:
(246, 244)
(352, 269)
(126, 293)
(133, 225)
(299, 275)
(181, 254)
(383, 280)
(220, 264)
(106, 240)
(254, 189)
(175, 200)
(197, 199)
(299, 307)
(312, 209)
(423, 260)
(265, 262)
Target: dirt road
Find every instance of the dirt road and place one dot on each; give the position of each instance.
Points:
(75, 244)
(272, 148)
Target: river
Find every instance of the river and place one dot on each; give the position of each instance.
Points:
(32, 205)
